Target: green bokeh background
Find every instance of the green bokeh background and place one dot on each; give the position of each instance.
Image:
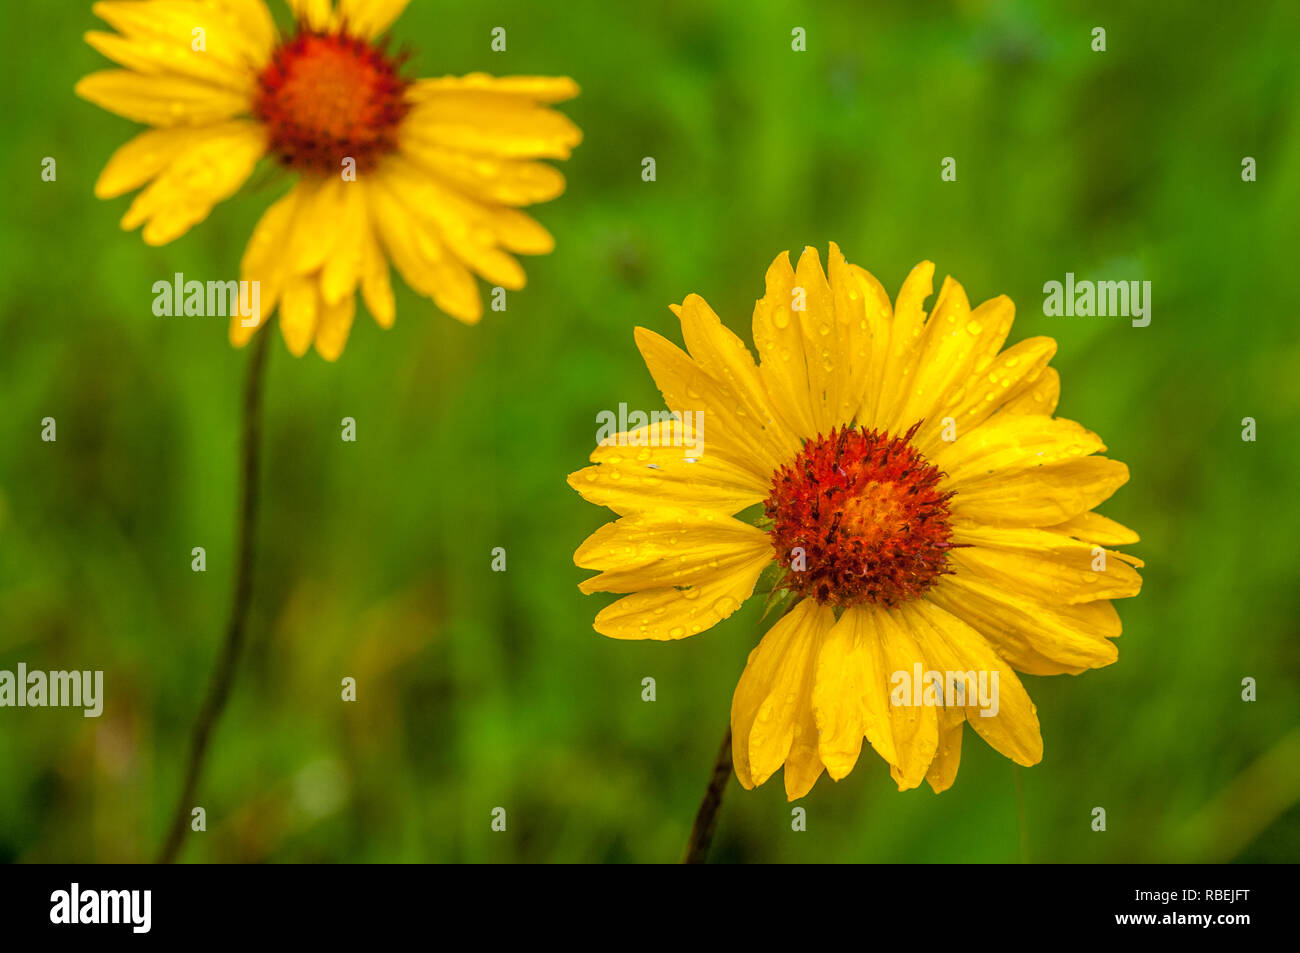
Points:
(480, 689)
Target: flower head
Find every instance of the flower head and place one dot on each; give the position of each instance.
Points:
(915, 504)
(429, 174)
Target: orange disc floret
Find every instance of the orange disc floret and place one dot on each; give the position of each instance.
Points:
(858, 518)
(325, 97)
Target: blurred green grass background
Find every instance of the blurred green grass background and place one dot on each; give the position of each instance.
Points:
(481, 689)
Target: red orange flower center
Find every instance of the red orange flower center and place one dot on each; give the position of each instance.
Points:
(858, 518)
(328, 97)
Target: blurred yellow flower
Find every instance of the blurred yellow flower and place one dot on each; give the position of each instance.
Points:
(428, 173)
(923, 513)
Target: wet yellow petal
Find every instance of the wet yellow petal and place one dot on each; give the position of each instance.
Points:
(1000, 711)
(653, 467)
(669, 547)
(1034, 637)
(1012, 443)
(894, 366)
(859, 302)
(1039, 398)
(913, 729)
(1039, 496)
(1042, 564)
(775, 693)
(672, 613)
(1095, 528)
(686, 386)
(803, 766)
(1019, 372)
(846, 684)
(947, 758)
(778, 335)
(724, 357)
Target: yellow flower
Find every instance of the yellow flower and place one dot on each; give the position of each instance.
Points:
(922, 511)
(427, 173)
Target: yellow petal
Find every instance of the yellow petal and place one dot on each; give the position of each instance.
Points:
(651, 467)
(263, 260)
(878, 313)
(947, 758)
(803, 766)
(846, 685)
(1095, 528)
(1019, 372)
(1040, 398)
(507, 181)
(236, 33)
(143, 157)
(895, 370)
(161, 100)
(154, 58)
(1034, 637)
(346, 261)
(421, 257)
(913, 729)
(207, 170)
(819, 327)
(686, 386)
(375, 285)
(544, 89)
(315, 13)
(778, 335)
(1044, 565)
(775, 692)
(1039, 496)
(858, 301)
(462, 226)
(672, 613)
(668, 547)
(1000, 712)
(1012, 443)
(724, 357)
(369, 18)
(299, 313)
(945, 354)
(335, 324)
(491, 124)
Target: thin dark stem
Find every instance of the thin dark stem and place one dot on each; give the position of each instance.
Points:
(223, 676)
(706, 819)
